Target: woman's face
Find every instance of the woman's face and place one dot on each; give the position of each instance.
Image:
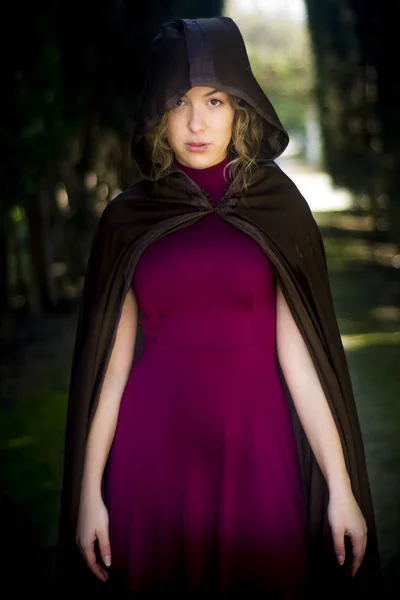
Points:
(200, 127)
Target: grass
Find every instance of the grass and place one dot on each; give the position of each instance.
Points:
(31, 445)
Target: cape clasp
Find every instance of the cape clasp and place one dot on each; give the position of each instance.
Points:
(222, 208)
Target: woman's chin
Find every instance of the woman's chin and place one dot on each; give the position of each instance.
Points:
(198, 160)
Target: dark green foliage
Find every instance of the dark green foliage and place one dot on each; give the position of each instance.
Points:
(358, 89)
(73, 78)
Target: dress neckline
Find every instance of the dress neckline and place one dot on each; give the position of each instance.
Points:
(207, 171)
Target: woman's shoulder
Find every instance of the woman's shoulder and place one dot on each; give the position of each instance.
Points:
(122, 203)
(133, 192)
(274, 175)
(292, 201)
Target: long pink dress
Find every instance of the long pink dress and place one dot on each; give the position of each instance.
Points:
(203, 484)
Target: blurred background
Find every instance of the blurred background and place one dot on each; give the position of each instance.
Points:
(71, 83)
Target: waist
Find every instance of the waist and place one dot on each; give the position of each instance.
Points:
(197, 331)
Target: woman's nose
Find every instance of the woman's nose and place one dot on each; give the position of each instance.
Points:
(196, 121)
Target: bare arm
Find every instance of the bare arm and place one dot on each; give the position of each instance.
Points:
(344, 514)
(93, 515)
(309, 398)
(104, 422)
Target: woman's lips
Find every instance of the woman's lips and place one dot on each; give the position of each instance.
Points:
(197, 147)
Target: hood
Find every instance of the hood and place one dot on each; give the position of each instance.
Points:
(207, 52)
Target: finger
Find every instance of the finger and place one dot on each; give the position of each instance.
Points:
(338, 543)
(358, 548)
(104, 545)
(90, 558)
(364, 546)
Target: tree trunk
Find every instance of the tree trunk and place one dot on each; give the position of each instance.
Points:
(6, 320)
(41, 249)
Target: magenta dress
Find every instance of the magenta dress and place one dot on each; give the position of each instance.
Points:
(203, 483)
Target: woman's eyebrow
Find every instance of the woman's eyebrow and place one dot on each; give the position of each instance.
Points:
(211, 93)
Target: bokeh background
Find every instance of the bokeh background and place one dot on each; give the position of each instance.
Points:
(72, 77)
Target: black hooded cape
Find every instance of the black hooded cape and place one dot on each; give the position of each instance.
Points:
(211, 52)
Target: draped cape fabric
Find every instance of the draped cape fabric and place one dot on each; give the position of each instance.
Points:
(275, 215)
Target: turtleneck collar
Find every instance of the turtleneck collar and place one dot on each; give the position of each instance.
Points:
(211, 179)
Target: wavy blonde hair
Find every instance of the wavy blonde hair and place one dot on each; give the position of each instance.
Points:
(247, 133)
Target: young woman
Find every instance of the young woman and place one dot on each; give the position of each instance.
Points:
(224, 459)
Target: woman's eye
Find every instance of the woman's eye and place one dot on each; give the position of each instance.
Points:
(213, 101)
(216, 100)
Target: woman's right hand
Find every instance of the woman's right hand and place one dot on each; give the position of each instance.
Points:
(93, 524)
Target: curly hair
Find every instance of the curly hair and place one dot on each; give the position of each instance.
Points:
(247, 133)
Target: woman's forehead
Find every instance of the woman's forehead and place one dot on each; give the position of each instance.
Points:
(204, 91)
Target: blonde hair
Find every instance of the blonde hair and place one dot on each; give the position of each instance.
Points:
(247, 133)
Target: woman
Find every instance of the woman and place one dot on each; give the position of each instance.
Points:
(225, 460)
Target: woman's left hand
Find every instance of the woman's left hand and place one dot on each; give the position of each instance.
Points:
(345, 518)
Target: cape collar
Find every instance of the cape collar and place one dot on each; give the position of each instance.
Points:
(177, 184)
